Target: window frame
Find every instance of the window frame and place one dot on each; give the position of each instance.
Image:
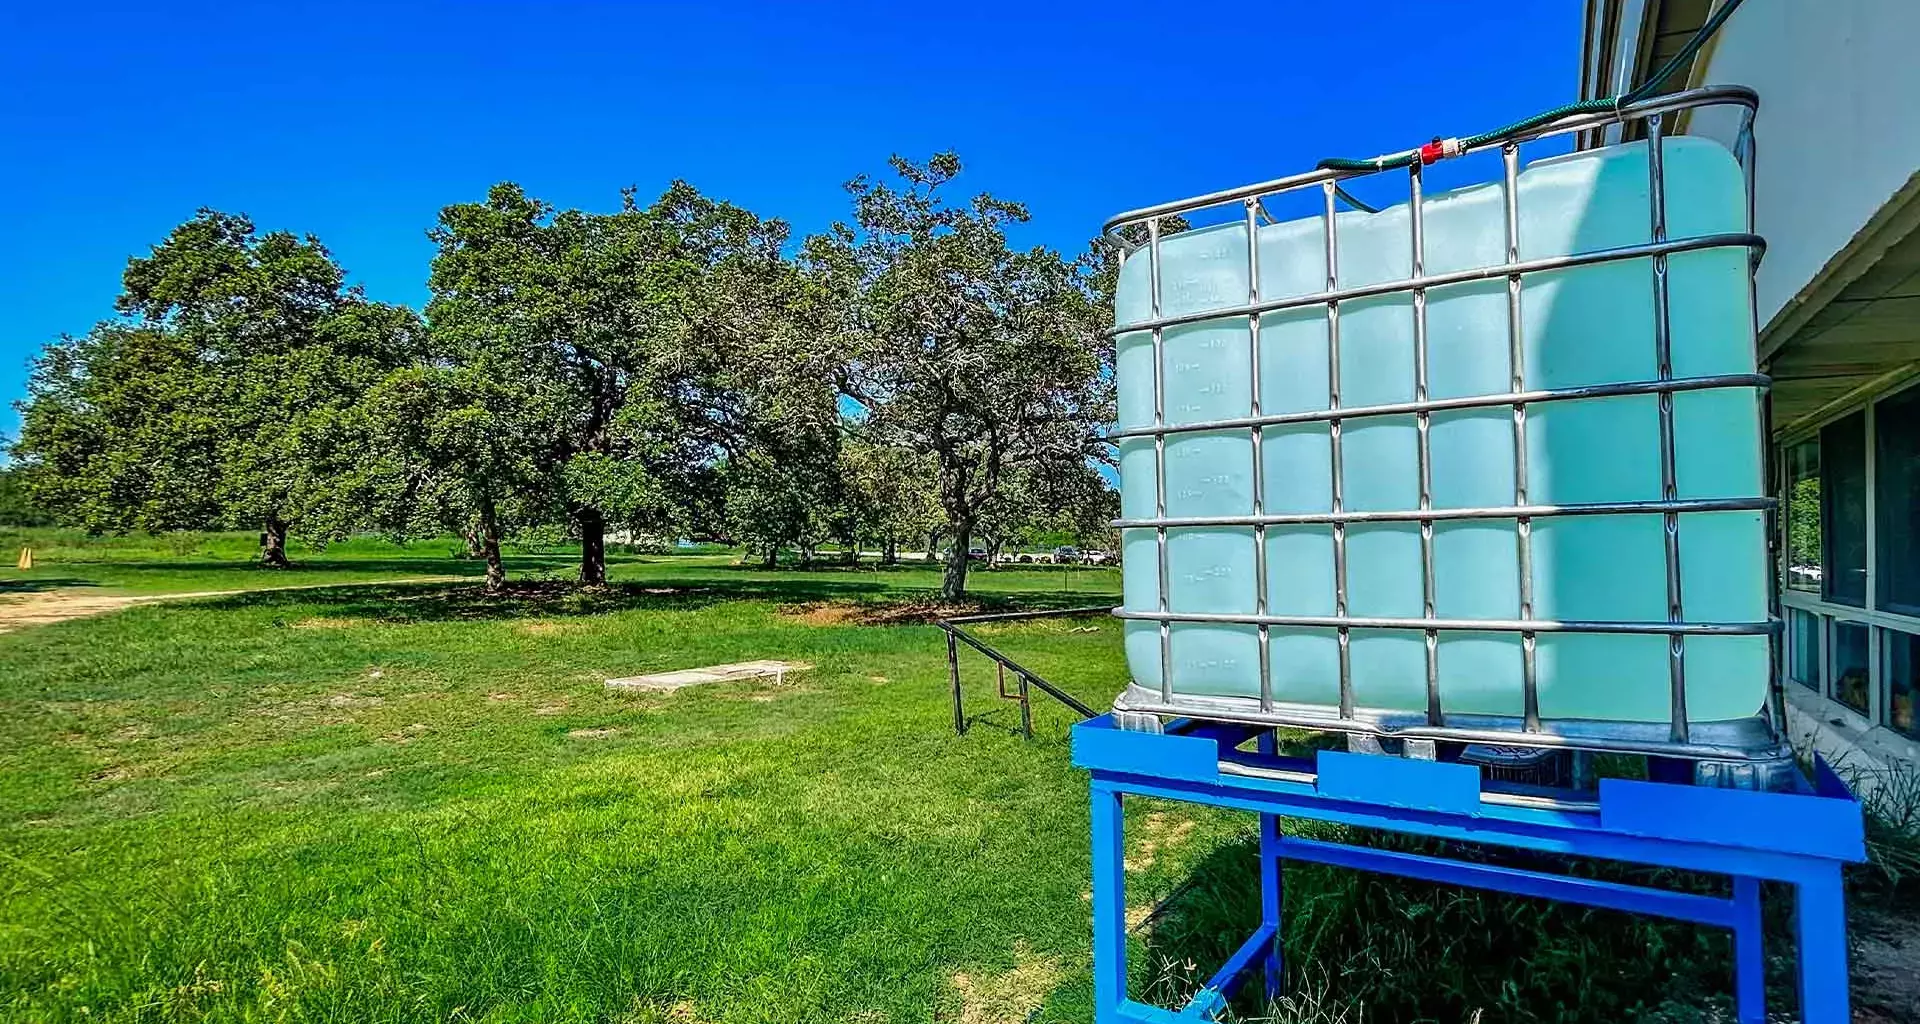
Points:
(1877, 619)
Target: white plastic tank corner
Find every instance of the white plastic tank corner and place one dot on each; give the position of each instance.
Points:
(1592, 324)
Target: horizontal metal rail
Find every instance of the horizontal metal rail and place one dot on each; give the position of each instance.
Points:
(1591, 892)
(1763, 628)
(1493, 401)
(1600, 508)
(1026, 676)
(1487, 796)
(1719, 95)
(1051, 613)
(1500, 271)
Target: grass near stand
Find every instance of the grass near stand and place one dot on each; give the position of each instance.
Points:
(414, 803)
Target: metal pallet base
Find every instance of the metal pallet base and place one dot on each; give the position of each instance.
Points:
(1799, 838)
(1745, 753)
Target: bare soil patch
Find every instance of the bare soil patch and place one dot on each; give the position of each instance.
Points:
(856, 613)
(1161, 832)
(43, 608)
(1010, 997)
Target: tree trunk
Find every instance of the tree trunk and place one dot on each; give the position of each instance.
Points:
(273, 544)
(772, 560)
(488, 536)
(953, 586)
(933, 544)
(851, 556)
(890, 551)
(476, 544)
(806, 554)
(593, 546)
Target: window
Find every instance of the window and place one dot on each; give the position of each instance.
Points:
(1903, 687)
(1850, 665)
(1803, 665)
(1849, 561)
(1803, 518)
(1843, 495)
(1896, 472)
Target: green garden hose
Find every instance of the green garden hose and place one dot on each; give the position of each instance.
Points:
(1439, 148)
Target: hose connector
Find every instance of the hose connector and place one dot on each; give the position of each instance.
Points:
(1439, 149)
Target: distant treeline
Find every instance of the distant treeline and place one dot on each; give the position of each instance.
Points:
(676, 368)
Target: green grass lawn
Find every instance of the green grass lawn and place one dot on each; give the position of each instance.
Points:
(411, 803)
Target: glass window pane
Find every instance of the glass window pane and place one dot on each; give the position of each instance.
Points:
(1803, 517)
(1843, 490)
(1903, 657)
(1803, 665)
(1850, 665)
(1896, 472)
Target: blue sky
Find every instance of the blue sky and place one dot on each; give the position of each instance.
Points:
(358, 121)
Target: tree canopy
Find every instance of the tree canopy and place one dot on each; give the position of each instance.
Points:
(226, 392)
(668, 368)
(990, 359)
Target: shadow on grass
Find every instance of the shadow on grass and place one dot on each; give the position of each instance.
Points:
(36, 586)
(427, 602)
(425, 565)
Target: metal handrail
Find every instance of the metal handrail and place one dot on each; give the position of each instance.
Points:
(1717, 95)
(1025, 676)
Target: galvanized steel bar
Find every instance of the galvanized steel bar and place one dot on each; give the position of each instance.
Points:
(1720, 95)
(1665, 628)
(1160, 459)
(1665, 247)
(1423, 426)
(1259, 476)
(1517, 382)
(953, 682)
(1535, 397)
(1601, 508)
(1343, 638)
(1669, 484)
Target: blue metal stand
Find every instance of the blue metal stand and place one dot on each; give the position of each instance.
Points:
(1800, 838)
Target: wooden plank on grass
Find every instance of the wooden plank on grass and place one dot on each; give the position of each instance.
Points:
(667, 682)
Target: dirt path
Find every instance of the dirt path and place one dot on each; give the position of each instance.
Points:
(19, 611)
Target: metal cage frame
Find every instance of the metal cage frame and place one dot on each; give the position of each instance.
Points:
(1758, 738)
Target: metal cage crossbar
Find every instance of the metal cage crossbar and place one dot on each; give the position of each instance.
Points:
(1679, 733)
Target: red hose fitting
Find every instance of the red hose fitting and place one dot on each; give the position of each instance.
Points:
(1439, 149)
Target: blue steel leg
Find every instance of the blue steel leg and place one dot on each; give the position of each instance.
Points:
(1109, 906)
(1272, 886)
(1821, 910)
(1749, 954)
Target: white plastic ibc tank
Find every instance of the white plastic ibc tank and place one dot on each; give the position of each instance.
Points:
(1584, 325)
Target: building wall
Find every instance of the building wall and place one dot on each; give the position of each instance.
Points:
(1838, 131)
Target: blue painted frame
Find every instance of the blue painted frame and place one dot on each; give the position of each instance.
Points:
(1800, 838)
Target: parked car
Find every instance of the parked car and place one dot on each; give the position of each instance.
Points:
(1066, 554)
(1097, 557)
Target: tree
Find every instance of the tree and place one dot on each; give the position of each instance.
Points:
(120, 431)
(780, 491)
(1070, 501)
(460, 448)
(227, 393)
(633, 349)
(955, 344)
(17, 507)
(890, 490)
